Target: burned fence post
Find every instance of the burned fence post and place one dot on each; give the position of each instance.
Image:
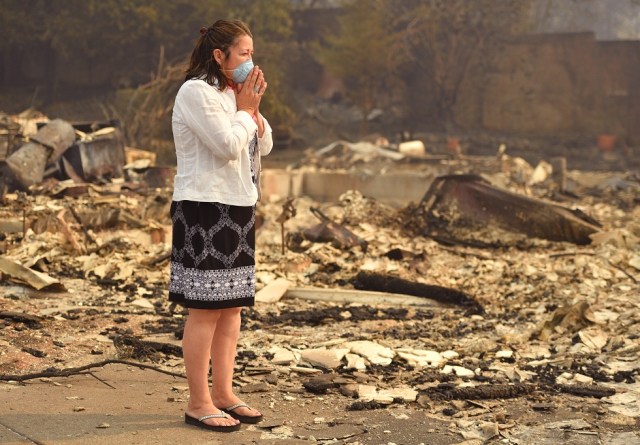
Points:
(559, 174)
(288, 212)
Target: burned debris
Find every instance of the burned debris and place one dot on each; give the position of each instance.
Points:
(27, 164)
(80, 152)
(330, 232)
(453, 305)
(476, 199)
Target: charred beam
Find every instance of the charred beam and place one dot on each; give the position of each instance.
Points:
(386, 283)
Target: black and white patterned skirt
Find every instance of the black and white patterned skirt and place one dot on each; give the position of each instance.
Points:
(213, 255)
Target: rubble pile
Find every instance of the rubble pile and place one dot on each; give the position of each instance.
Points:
(427, 305)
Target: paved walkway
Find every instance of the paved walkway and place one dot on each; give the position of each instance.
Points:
(128, 405)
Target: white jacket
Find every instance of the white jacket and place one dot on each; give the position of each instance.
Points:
(212, 146)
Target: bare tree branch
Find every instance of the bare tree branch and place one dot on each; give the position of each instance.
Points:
(79, 370)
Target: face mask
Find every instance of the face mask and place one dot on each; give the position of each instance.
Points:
(242, 71)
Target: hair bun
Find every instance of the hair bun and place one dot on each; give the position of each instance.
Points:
(203, 30)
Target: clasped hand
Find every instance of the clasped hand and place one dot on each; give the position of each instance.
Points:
(249, 94)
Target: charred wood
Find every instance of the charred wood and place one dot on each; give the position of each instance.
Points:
(138, 349)
(594, 391)
(385, 283)
(28, 319)
(487, 392)
(361, 406)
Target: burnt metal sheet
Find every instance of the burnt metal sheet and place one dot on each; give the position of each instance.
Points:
(102, 157)
(99, 155)
(479, 200)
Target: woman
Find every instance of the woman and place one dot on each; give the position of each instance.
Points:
(219, 137)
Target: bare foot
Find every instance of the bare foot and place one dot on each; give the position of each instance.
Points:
(200, 411)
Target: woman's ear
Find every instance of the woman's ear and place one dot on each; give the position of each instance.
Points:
(218, 55)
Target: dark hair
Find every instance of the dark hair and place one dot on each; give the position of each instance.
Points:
(222, 35)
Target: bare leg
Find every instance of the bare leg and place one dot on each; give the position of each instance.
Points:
(223, 356)
(196, 346)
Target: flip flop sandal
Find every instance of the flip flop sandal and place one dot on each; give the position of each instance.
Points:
(199, 422)
(244, 419)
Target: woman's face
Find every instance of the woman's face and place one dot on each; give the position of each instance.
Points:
(240, 52)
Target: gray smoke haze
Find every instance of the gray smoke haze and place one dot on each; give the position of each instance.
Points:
(608, 19)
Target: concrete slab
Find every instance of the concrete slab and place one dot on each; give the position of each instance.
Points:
(8, 437)
(79, 410)
(389, 188)
(281, 183)
(394, 188)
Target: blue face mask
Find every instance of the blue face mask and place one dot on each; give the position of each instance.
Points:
(242, 71)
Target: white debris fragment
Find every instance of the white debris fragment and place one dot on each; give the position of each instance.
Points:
(626, 403)
(594, 338)
(583, 379)
(505, 353)
(450, 355)
(282, 356)
(304, 370)
(421, 357)
(354, 361)
(142, 303)
(273, 291)
(374, 352)
(458, 370)
(540, 174)
(324, 358)
(370, 393)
